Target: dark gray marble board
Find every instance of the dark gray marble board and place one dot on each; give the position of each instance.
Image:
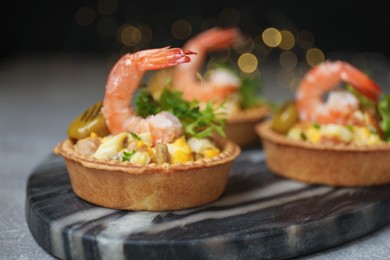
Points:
(260, 216)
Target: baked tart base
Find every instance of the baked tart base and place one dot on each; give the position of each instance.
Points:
(338, 165)
(240, 128)
(122, 185)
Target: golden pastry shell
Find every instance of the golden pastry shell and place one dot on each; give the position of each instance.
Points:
(336, 165)
(152, 187)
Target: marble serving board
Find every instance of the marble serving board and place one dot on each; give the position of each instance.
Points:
(260, 216)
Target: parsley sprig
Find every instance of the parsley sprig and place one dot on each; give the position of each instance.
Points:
(384, 111)
(197, 122)
(126, 155)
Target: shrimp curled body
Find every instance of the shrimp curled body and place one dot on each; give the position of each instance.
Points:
(340, 105)
(185, 76)
(123, 81)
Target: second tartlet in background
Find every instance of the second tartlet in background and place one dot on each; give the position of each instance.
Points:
(340, 142)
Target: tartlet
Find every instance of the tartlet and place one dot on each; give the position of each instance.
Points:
(153, 187)
(154, 156)
(343, 141)
(321, 164)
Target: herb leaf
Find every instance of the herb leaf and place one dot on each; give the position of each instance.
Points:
(196, 122)
(384, 111)
(135, 136)
(145, 104)
(126, 156)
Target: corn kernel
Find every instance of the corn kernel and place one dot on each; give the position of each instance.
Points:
(180, 151)
(140, 144)
(313, 135)
(181, 157)
(152, 154)
(211, 152)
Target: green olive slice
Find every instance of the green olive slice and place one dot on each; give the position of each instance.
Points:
(90, 121)
(285, 117)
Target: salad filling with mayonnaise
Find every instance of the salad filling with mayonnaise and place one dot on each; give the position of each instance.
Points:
(194, 143)
(356, 113)
(134, 148)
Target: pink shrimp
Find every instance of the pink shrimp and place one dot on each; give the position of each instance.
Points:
(340, 105)
(185, 76)
(123, 81)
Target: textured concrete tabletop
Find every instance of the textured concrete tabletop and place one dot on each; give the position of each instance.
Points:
(39, 96)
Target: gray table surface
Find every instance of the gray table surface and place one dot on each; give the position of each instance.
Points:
(41, 94)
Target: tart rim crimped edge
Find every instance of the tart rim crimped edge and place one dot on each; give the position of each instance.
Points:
(229, 152)
(265, 131)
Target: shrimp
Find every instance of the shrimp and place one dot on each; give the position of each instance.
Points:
(223, 83)
(123, 81)
(340, 105)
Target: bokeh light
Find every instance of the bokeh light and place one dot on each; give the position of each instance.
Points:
(247, 62)
(272, 37)
(288, 40)
(181, 29)
(314, 56)
(288, 60)
(293, 49)
(146, 35)
(129, 35)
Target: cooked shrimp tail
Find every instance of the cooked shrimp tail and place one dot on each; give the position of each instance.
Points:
(340, 105)
(123, 81)
(214, 39)
(185, 77)
(360, 81)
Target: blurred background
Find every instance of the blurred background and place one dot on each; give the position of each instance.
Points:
(111, 25)
(296, 35)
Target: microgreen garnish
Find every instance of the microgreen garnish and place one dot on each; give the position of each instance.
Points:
(126, 156)
(135, 136)
(196, 122)
(316, 126)
(145, 104)
(384, 111)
